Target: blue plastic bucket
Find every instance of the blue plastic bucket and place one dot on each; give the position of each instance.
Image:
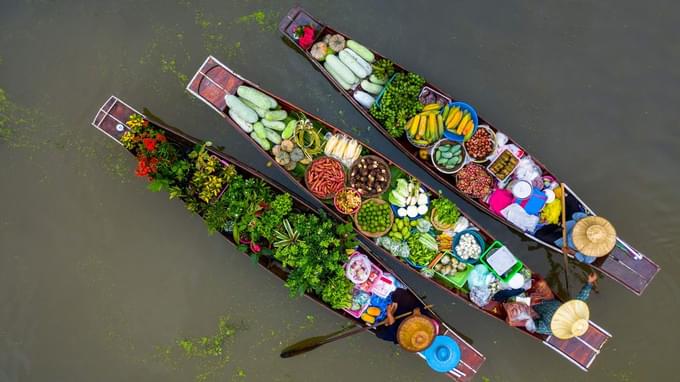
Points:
(464, 106)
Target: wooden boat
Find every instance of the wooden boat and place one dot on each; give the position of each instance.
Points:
(624, 264)
(214, 81)
(111, 118)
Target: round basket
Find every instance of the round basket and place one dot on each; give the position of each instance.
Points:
(373, 234)
(478, 238)
(436, 224)
(311, 165)
(387, 175)
(473, 114)
(475, 195)
(492, 135)
(335, 201)
(446, 170)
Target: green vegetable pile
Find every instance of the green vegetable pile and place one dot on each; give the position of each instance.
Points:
(383, 69)
(447, 211)
(399, 103)
(419, 254)
(401, 230)
(374, 217)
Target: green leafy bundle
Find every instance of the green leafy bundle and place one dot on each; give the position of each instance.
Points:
(447, 211)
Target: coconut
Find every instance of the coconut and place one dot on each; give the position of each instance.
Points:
(336, 42)
(319, 51)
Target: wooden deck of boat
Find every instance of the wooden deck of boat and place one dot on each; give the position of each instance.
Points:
(111, 118)
(221, 80)
(628, 267)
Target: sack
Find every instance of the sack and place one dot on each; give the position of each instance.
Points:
(480, 296)
(540, 292)
(518, 313)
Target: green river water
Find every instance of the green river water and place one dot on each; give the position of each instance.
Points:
(101, 279)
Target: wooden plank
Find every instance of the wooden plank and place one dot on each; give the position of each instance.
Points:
(584, 349)
(646, 268)
(623, 274)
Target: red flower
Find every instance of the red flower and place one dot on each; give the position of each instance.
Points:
(142, 167)
(160, 137)
(149, 144)
(255, 247)
(307, 38)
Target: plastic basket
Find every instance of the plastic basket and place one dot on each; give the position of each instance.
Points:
(382, 92)
(478, 238)
(459, 279)
(475, 120)
(511, 272)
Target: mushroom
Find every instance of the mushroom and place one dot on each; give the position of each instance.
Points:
(276, 150)
(336, 42)
(282, 158)
(297, 154)
(287, 145)
(319, 50)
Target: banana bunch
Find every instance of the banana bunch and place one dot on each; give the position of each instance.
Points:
(427, 127)
(458, 121)
(343, 148)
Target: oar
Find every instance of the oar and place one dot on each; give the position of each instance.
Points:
(565, 243)
(312, 343)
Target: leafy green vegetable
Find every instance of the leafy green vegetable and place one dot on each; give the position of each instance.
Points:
(383, 69)
(447, 211)
(399, 103)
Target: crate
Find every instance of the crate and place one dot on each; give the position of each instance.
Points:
(496, 245)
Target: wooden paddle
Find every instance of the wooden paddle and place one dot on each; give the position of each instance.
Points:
(565, 243)
(312, 343)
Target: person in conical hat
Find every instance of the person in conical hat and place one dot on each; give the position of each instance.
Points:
(401, 302)
(566, 320)
(416, 332)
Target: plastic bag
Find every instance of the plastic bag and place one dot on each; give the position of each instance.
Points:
(397, 248)
(540, 292)
(518, 313)
(423, 225)
(528, 170)
(480, 296)
(461, 224)
(479, 277)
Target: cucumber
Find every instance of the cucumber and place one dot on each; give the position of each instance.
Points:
(261, 141)
(259, 130)
(247, 114)
(245, 126)
(365, 99)
(361, 50)
(373, 78)
(289, 130)
(260, 111)
(341, 69)
(276, 115)
(352, 64)
(273, 136)
(257, 97)
(371, 87)
(274, 125)
(367, 67)
(337, 77)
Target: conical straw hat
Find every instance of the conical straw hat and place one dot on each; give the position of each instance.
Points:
(594, 236)
(416, 333)
(570, 320)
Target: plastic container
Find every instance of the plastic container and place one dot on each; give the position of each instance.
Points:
(357, 313)
(365, 262)
(492, 135)
(464, 106)
(507, 275)
(383, 286)
(478, 238)
(520, 189)
(494, 161)
(459, 278)
(434, 148)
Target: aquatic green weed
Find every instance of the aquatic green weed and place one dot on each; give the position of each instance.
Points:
(210, 352)
(266, 21)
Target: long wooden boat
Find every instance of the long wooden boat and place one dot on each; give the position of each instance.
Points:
(624, 264)
(214, 81)
(111, 118)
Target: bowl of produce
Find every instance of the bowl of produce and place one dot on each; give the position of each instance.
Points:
(423, 248)
(347, 201)
(425, 128)
(460, 121)
(358, 268)
(468, 246)
(408, 199)
(370, 175)
(482, 145)
(448, 156)
(374, 218)
(474, 180)
(325, 177)
(504, 165)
